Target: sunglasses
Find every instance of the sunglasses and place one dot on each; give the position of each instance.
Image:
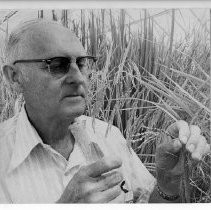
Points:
(61, 65)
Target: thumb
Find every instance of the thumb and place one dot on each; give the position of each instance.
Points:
(179, 129)
(178, 170)
(167, 154)
(102, 166)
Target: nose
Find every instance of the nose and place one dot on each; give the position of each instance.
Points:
(74, 75)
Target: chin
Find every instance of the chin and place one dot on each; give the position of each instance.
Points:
(73, 112)
(71, 108)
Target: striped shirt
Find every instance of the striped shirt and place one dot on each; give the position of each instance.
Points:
(33, 172)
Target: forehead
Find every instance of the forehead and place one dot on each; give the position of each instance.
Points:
(49, 40)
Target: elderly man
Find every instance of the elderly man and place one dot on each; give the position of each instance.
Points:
(50, 152)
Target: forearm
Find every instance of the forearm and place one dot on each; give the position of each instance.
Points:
(156, 198)
(168, 185)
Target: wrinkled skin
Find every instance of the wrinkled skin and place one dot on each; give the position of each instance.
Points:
(91, 185)
(168, 162)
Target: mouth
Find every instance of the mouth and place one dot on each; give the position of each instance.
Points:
(76, 95)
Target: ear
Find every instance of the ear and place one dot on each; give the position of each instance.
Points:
(12, 74)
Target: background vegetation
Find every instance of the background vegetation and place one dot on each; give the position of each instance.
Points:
(142, 84)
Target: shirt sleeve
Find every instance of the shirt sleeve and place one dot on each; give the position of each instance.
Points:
(4, 195)
(141, 180)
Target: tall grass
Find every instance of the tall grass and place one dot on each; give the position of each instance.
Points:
(142, 85)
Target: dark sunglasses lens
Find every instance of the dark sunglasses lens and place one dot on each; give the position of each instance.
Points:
(85, 63)
(82, 63)
(59, 65)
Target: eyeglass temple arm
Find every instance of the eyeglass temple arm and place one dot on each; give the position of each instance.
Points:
(29, 61)
(46, 60)
(89, 56)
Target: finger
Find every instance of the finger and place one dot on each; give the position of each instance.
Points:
(184, 131)
(167, 154)
(171, 146)
(194, 138)
(179, 129)
(105, 196)
(207, 149)
(102, 183)
(109, 180)
(177, 145)
(200, 148)
(101, 166)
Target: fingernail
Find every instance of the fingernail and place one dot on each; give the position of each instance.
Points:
(191, 148)
(184, 139)
(177, 144)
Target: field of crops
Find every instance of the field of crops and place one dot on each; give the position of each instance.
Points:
(142, 82)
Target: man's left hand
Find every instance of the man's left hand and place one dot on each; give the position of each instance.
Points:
(168, 163)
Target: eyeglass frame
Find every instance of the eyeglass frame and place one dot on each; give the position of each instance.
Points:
(72, 59)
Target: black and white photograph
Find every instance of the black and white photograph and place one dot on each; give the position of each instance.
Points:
(105, 105)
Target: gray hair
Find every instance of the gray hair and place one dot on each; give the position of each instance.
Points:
(15, 44)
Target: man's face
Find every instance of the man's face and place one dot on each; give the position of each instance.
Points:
(60, 96)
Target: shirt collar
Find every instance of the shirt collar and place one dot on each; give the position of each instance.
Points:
(26, 138)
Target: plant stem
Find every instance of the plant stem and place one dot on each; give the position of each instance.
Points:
(184, 185)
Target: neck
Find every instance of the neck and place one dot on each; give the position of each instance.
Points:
(53, 131)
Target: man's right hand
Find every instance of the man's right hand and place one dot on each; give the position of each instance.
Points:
(91, 185)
